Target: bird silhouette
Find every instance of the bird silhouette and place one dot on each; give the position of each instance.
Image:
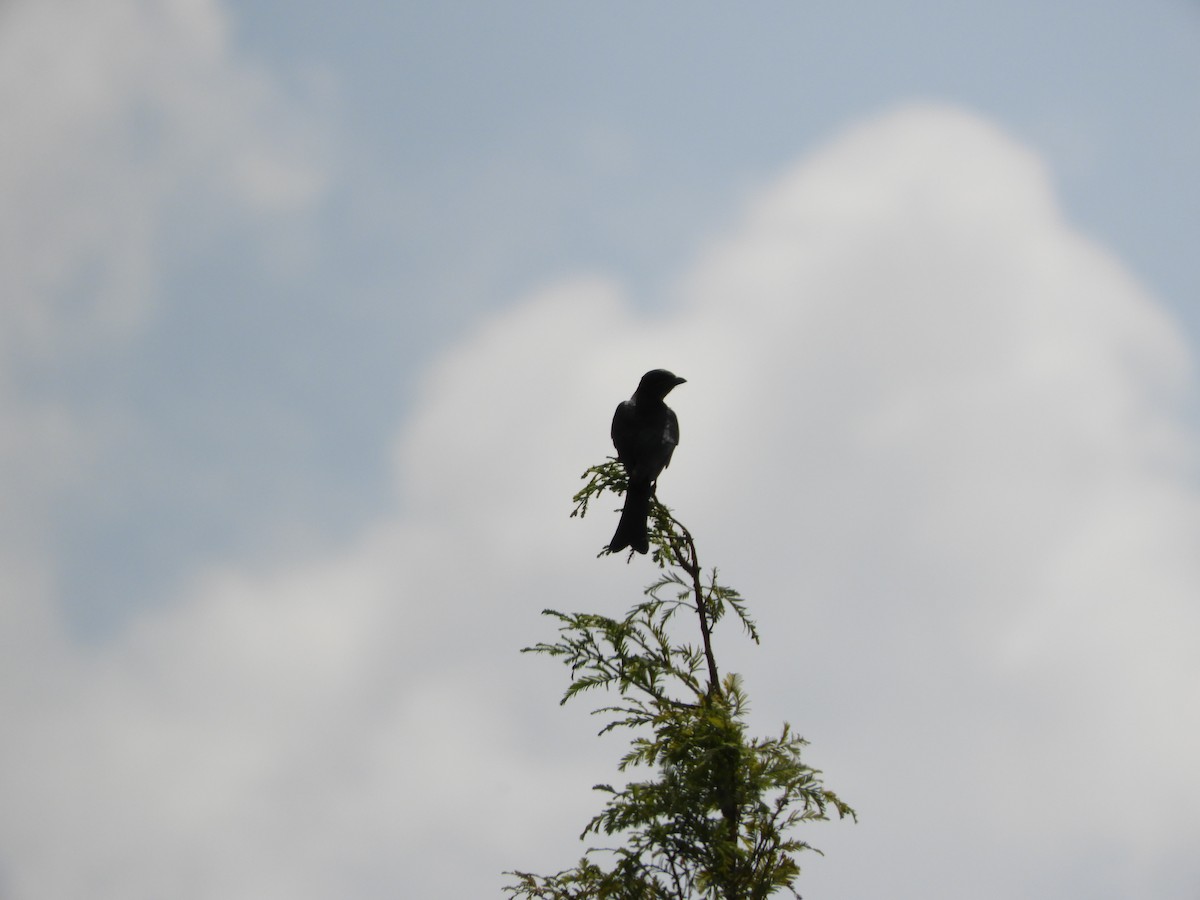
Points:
(645, 432)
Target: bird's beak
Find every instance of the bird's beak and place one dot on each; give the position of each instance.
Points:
(679, 381)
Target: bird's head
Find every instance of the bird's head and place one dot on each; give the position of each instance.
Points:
(657, 383)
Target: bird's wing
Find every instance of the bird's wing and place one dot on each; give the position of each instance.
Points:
(670, 436)
(624, 431)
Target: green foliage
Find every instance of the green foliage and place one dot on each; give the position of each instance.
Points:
(716, 817)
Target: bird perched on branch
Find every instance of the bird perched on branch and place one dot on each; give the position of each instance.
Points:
(645, 432)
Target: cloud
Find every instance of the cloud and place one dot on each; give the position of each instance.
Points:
(133, 134)
(114, 115)
(931, 431)
(980, 504)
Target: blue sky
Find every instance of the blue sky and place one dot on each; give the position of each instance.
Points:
(470, 153)
(299, 303)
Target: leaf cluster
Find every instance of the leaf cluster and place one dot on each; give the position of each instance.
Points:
(715, 814)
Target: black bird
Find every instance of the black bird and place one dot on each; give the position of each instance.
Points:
(645, 432)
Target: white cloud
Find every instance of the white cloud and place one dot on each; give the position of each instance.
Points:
(930, 432)
(113, 113)
(131, 132)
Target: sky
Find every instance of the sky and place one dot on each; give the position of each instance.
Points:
(310, 321)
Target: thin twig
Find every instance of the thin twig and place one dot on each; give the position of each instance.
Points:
(691, 565)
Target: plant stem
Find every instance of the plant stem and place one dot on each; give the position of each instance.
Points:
(691, 565)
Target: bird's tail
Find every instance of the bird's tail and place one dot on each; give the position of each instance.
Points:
(632, 530)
